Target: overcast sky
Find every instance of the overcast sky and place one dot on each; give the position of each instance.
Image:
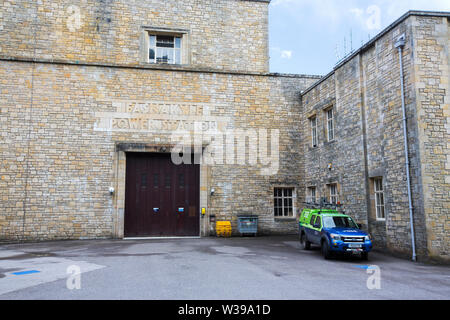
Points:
(309, 36)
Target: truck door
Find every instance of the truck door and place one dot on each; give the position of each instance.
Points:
(316, 230)
(309, 229)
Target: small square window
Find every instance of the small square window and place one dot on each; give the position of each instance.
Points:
(165, 49)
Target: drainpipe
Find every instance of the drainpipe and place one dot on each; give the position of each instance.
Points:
(400, 44)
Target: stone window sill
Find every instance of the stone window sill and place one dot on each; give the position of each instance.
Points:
(329, 143)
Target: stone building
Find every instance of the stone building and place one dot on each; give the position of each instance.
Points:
(353, 142)
(96, 93)
(100, 99)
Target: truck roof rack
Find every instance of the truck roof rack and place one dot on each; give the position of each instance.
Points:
(323, 204)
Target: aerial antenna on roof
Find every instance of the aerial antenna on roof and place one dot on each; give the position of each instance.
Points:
(336, 51)
(351, 40)
(345, 46)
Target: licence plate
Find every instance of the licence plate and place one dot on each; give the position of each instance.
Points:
(353, 245)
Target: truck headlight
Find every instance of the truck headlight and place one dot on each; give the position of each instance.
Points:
(335, 237)
(368, 238)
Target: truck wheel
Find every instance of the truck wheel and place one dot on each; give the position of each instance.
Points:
(306, 245)
(325, 250)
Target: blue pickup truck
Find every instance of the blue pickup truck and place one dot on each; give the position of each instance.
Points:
(334, 232)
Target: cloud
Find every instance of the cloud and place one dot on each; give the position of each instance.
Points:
(397, 8)
(283, 54)
(281, 2)
(330, 13)
(357, 12)
(381, 13)
(286, 54)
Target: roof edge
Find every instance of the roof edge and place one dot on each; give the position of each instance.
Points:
(376, 38)
(267, 1)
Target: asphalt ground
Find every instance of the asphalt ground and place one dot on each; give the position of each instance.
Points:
(261, 268)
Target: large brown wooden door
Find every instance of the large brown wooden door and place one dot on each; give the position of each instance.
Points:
(161, 198)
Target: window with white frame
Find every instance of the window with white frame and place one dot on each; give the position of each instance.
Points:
(379, 198)
(165, 49)
(312, 195)
(333, 192)
(313, 122)
(330, 124)
(283, 202)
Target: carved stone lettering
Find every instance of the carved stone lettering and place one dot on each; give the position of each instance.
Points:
(151, 116)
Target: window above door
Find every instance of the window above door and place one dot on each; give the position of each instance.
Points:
(164, 49)
(165, 46)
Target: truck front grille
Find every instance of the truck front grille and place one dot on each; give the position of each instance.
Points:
(353, 239)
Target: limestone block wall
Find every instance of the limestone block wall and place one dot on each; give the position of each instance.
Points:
(431, 84)
(218, 34)
(340, 161)
(385, 145)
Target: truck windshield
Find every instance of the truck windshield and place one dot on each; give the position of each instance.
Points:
(339, 222)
